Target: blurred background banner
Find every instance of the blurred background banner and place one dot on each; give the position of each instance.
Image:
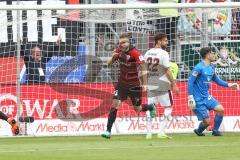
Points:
(219, 19)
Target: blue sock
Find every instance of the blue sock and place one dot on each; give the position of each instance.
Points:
(217, 122)
(201, 127)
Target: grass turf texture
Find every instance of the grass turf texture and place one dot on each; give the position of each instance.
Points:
(134, 147)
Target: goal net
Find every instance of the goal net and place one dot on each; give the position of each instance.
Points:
(54, 63)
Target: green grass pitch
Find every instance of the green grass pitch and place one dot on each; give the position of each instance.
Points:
(132, 147)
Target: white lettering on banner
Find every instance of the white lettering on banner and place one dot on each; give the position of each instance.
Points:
(32, 21)
(32, 24)
(3, 22)
(7, 109)
(181, 124)
(36, 109)
(52, 128)
(227, 70)
(237, 125)
(63, 68)
(137, 125)
(96, 126)
(63, 127)
(73, 109)
(86, 126)
(47, 23)
(14, 24)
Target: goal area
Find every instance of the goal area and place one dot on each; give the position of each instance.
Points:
(53, 62)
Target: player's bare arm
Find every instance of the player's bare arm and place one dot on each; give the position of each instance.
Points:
(113, 59)
(143, 76)
(171, 79)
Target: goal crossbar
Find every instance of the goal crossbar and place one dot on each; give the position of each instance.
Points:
(120, 6)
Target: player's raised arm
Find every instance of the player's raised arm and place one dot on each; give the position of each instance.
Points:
(223, 83)
(114, 57)
(219, 81)
(234, 85)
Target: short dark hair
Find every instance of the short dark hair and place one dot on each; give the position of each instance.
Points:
(159, 36)
(125, 35)
(204, 51)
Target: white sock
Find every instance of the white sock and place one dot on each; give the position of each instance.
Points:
(165, 121)
(148, 122)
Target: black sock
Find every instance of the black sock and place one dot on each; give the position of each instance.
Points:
(3, 116)
(111, 118)
(147, 107)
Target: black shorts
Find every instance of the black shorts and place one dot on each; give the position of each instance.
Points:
(122, 92)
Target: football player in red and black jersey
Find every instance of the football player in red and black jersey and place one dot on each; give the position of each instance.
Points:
(132, 80)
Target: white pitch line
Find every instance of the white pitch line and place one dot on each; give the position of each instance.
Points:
(113, 148)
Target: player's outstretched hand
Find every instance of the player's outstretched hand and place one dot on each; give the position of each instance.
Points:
(234, 85)
(113, 59)
(191, 102)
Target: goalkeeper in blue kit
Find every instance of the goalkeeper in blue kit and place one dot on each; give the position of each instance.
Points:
(199, 99)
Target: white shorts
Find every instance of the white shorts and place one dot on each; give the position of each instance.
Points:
(165, 99)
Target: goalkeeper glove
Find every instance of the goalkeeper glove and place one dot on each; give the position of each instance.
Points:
(234, 85)
(191, 102)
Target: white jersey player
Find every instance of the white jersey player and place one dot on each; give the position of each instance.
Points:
(160, 82)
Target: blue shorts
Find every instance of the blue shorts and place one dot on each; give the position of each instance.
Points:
(203, 106)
